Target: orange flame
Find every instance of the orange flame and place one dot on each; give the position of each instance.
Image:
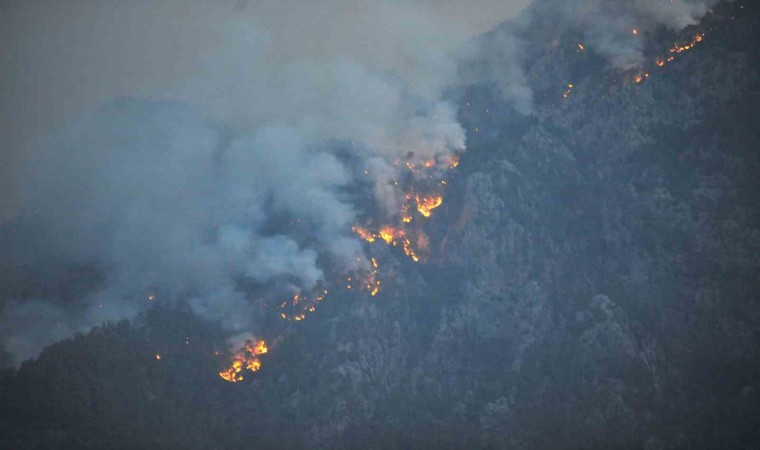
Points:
(391, 236)
(364, 233)
(425, 205)
(364, 280)
(245, 358)
(676, 49)
(256, 348)
(303, 304)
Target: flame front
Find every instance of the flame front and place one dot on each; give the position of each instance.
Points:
(676, 49)
(638, 76)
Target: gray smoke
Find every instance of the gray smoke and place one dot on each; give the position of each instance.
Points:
(223, 178)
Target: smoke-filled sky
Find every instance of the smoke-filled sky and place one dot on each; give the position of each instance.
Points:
(186, 186)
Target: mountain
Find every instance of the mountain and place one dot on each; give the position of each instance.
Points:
(593, 283)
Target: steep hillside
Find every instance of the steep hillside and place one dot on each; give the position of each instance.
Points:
(593, 283)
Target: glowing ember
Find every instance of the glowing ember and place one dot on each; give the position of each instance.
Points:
(682, 47)
(301, 304)
(365, 279)
(568, 91)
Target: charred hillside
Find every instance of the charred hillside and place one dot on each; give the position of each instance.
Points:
(592, 282)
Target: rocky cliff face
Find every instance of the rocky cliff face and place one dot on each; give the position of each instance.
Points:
(593, 280)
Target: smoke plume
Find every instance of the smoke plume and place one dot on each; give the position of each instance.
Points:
(216, 167)
(219, 170)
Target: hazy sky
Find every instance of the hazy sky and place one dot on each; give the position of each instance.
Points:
(61, 58)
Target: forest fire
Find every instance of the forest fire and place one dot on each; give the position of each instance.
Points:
(640, 77)
(676, 49)
(364, 280)
(680, 48)
(391, 236)
(422, 195)
(301, 305)
(419, 185)
(427, 204)
(256, 348)
(245, 358)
